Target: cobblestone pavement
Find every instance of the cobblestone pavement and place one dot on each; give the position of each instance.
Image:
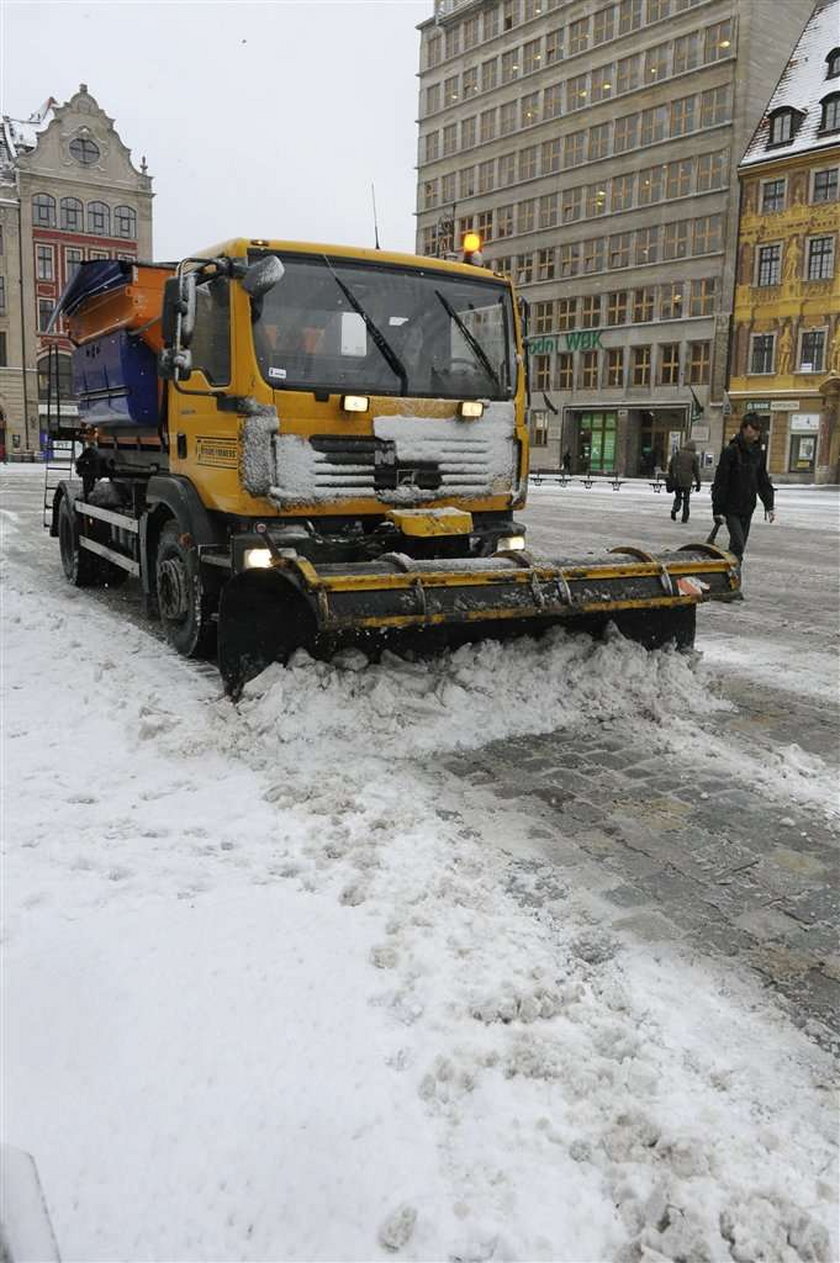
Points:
(677, 855)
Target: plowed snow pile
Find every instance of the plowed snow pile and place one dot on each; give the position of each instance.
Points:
(274, 990)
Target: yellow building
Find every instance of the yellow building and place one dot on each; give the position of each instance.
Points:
(785, 355)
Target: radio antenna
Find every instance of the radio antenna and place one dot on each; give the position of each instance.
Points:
(375, 222)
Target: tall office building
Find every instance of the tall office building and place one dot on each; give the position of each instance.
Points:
(594, 147)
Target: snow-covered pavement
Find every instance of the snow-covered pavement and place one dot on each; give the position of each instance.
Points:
(275, 988)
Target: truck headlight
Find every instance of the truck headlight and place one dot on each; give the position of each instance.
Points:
(511, 544)
(256, 559)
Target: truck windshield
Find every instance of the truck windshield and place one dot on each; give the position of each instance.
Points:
(356, 328)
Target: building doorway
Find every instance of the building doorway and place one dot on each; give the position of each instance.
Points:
(597, 441)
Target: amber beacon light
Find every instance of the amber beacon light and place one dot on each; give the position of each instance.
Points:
(471, 246)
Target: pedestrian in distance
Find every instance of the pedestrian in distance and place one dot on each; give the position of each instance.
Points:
(567, 461)
(683, 474)
(740, 479)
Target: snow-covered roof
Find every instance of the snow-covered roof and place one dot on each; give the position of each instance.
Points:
(18, 136)
(802, 87)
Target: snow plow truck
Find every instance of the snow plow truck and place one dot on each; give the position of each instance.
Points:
(308, 446)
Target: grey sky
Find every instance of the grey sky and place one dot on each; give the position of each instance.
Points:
(267, 119)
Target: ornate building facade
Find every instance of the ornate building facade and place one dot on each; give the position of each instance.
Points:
(786, 324)
(68, 192)
(594, 146)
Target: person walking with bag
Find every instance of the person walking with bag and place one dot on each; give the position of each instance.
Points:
(740, 479)
(683, 474)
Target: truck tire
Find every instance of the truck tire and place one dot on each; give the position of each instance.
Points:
(185, 605)
(81, 567)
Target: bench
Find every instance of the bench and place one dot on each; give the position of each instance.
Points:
(554, 475)
(658, 485)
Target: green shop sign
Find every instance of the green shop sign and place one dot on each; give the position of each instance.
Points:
(577, 340)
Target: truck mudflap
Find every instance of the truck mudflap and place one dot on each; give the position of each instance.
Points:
(399, 602)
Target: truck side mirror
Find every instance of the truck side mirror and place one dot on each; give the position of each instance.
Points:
(262, 276)
(178, 316)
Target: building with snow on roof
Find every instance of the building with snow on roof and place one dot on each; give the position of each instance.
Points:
(785, 361)
(68, 192)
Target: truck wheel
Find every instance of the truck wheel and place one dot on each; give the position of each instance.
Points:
(186, 607)
(80, 566)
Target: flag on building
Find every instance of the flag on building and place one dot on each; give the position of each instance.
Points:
(696, 407)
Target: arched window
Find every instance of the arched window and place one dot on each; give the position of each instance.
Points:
(43, 210)
(99, 219)
(62, 367)
(832, 64)
(830, 121)
(72, 214)
(125, 221)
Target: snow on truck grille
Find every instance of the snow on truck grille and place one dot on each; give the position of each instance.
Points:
(406, 459)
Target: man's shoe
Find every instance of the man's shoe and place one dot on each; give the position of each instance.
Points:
(673, 516)
(685, 519)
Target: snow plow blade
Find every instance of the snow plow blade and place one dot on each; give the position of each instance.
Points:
(398, 602)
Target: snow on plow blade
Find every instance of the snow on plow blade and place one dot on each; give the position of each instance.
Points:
(398, 601)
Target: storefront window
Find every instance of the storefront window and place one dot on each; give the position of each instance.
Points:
(598, 440)
(803, 450)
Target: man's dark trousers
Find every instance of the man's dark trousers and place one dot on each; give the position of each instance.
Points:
(739, 531)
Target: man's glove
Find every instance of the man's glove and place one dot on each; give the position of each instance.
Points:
(719, 519)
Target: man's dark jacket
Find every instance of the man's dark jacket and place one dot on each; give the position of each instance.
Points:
(741, 476)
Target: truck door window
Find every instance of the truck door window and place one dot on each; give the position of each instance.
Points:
(211, 340)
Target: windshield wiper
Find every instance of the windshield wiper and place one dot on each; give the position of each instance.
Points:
(472, 341)
(384, 347)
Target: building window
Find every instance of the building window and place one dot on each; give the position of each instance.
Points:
(72, 214)
(84, 151)
(507, 170)
(468, 132)
(656, 63)
(711, 170)
(825, 185)
(529, 110)
(528, 163)
(549, 210)
(589, 370)
(539, 422)
(491, 22)
(820, 258)
(525, 263)
(489, 74)
(671, 301)
(99, 218)
(504, 221)
(654, 124)
(812, 351)
(717, 44)
(552, 101)
(603, 25)
(769, 265)
(2, 295)
(832, 64)
(703, 294)
(578, 36)
(510, 14)
(576, 93)
(686, 52)
(620, 249)
(682, 116)
(572, 205)
(593, 255)
(453, 41)
(623, 188)
(45, 310)
(551, 154)
(678, 178)
(643, 305)
(546, 264)
(472, 34)
(781, 127)
(541, 369)
(603, 83)
(591, 311)
(4, 359)
(573, 149)
(44, 263)
(596, 200)
(528, 215)
(617, 307)
(715, 106)
(487, 125)
(569, 259)
(647, 245)
(543, 317)
(487, 176)
(484, 226)
(565, 370)
(531, 56)
(43, 210)
(641, 365)
(72, 262)
(507, 118)
(447, 188)
(669, 364)
(615, 367)
(699, 363)
(772, 196)
(434, 52)
(761, 353)
(708, 232)
(629, 16)
(510, 65)
(566, 313)
(433, 98)
(830, 121)
(628, 73)
(651, 185)
(469, 82)
(553, 47)
(626, 133)
(675, 245)
(657, 10)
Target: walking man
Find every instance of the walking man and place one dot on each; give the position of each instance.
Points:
(740, 478)
(684, 472)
